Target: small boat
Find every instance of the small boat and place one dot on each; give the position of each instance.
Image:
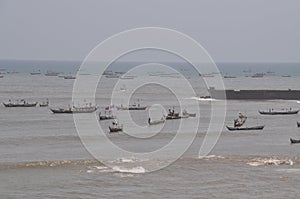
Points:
(1, 76)
(50, 73)
(285, 76)
(229, 77)
(205, 97)
(35, 73)
(134, 107)
(271, 112)
(154, 122)
(298, 124)
(294, 141)
(70, 110)
(69, 77)
(22, 103)
(245, 128)
(258, 75)
(106, 116)
(172, 115)
(116, 127)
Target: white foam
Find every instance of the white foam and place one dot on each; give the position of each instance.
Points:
(211, 157)
(132, 170)
(270, 162)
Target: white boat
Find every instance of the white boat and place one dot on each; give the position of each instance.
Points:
(154, 122)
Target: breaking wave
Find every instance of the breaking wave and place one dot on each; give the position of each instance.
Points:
(270, 162)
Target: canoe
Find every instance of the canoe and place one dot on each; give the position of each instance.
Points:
(156, 121)
(294, 141)
(74, 110)
(278, 112)
(245, 128)
(20, 104)
(173, 117)
(107, 117)
(133, 108)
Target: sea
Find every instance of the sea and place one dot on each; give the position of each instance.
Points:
(43, 156)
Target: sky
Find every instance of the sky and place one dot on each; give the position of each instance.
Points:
(230, 30)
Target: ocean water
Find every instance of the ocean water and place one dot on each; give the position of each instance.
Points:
(42, 155)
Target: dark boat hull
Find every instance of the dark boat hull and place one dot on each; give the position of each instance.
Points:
(20, 105)
(298, 124)
(115, 129)
(107, 117)
(245, 128)
(63, 111)
(278, 112)
(294, 141)
(133, 108)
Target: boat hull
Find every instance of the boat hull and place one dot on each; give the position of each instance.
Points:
(245, 128)
(133, 108)
(278, 112)
(295, 141)
(115, 129)
(68, 111)
(107, 117)
(20, 105)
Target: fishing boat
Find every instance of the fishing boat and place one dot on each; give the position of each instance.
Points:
(154, 122)
(185, 113)
(245, 128)
(50, 73)
(172, 115)
(108, 116)
(258, 75)
(134, 107)
(116, 127)
(298, 124)
(1, 76)
(73, 109)
(21, 103)
(294, 141)
(284, 112)
(69, 77)
(36, 73)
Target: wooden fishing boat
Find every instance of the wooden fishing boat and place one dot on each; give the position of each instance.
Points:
(288, 112)
(294, 141)
(106, 117)
(133, 107)
(154, 122)
(245, 128)
(69, 77)
(23, 103)
(71, 110)
(116, 127)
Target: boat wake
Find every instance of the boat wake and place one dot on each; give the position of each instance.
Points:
(202, 99)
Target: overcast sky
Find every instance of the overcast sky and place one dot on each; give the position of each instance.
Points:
(230, 30)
